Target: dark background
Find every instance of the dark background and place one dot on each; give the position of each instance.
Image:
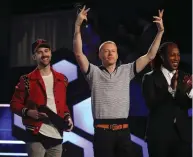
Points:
(122, 22)
(110, 14)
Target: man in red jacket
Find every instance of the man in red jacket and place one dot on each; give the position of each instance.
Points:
(43, 87)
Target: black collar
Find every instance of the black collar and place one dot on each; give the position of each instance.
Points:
(103, 68)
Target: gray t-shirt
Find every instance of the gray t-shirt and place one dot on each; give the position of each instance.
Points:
(110, 92)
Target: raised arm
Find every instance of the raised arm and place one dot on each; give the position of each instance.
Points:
(150, 55)
(77, 41)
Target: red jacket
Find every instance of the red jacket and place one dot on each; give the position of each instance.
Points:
(30, 93)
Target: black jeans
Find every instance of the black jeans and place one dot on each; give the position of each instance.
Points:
(108, 143)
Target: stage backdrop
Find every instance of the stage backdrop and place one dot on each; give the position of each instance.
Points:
(56, 27)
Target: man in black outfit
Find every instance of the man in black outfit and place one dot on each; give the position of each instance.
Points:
(168, 95)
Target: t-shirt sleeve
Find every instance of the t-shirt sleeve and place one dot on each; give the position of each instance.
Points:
(89, 74)
(131, 69)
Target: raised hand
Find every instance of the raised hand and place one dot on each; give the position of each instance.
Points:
(82, 16)
(158, 20)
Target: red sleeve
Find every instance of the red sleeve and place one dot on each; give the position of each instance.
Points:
(65, 81)
(17, 101)
(66, 110)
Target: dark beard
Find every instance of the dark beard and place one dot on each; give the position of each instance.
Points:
(44, 65)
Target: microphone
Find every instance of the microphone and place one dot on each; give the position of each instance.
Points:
(78, 7)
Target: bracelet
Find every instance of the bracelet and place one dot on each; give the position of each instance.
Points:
(161, 30)
(24, 112)
(66, 116)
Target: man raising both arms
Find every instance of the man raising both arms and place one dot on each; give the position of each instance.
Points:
(109, 86)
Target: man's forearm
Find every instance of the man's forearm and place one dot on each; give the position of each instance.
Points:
(144, 60)
(77, 48)
(155, 46)
(77, 41)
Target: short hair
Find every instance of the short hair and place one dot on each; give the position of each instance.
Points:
(106, 42)
(162, 51)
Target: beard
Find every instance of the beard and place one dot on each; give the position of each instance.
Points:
(44, 63)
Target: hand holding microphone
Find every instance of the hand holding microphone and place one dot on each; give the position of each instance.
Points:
(82, 16)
